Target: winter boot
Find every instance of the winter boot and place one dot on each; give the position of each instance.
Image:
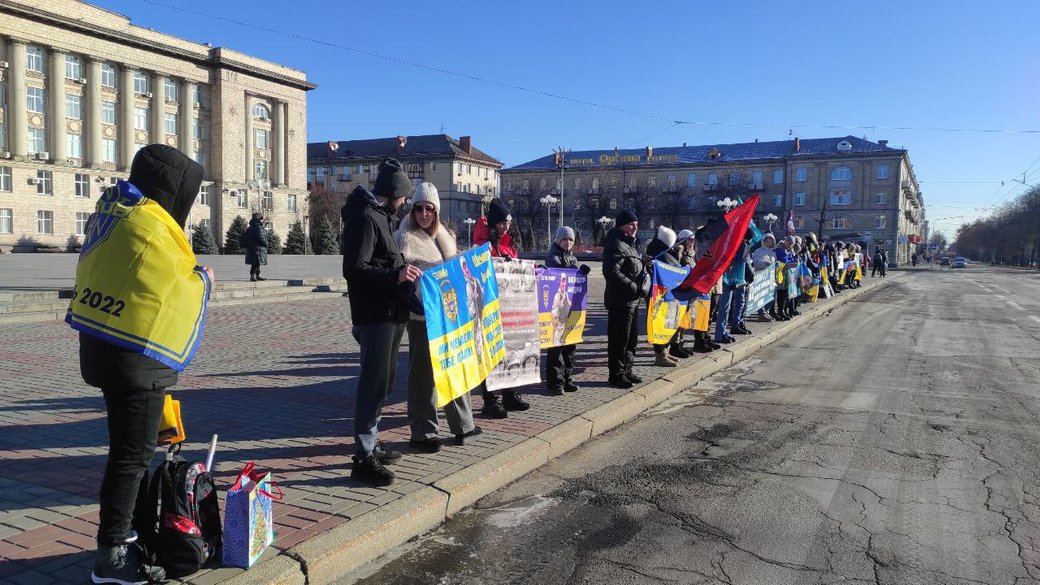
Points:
(512, 401)
(493, 406)
(124, 565)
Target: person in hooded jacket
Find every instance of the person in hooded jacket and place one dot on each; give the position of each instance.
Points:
(493, 229)
(255, 241)
(627, 283)
(667, 355)
(761, 259)
(132, 378)
(426, 243)
(559, 360)
(380, 283)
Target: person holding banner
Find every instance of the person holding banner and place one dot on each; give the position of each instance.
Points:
(493, 229)
(660, 248)
(732, 299)
(379, 284)
(761, 259)
(426, 243)
(559, 360)
(627, 283)
(785, 259)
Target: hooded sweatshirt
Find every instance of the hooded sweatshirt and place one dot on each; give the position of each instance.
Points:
(372, 261)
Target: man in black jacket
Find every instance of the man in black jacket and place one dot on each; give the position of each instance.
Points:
(627, 284)
(379, 282)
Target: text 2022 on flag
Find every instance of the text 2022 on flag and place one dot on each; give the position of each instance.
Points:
(463, 323)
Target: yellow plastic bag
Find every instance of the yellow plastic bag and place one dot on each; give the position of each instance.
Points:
(171, 429)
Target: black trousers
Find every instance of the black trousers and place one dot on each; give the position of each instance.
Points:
(134, 415)
(559, 362)
(254, 269)
(622, 338)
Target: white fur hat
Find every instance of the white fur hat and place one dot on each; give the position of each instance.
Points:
(427, 192)
(666, 235)
(684, 235)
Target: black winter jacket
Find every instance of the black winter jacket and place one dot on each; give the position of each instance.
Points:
(371, 261)
(627, 280)
(667, 255)
(560, 258)
(255, 241)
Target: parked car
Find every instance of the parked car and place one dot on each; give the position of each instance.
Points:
(944, 261)
(959, 262)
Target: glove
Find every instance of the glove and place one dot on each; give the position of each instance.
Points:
(584, 269)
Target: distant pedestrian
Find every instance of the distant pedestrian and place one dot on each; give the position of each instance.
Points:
(879, 262)
(255, 241)
(627, 285)
(559, 360)
(378, 280)
(425, 243)
(159, 303)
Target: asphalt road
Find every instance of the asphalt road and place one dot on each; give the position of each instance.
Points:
(896, 441)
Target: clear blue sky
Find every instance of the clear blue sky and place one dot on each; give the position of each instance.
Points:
(791, 66)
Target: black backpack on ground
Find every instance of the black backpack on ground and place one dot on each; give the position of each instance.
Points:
(177, 517)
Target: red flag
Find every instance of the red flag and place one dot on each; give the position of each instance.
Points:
(708, 271)
(790, 224)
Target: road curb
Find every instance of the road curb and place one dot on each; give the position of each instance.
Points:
(342, 550)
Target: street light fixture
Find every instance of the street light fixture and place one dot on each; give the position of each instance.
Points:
(726, 204)
(603, 222)
(548, 201)
(770, 219)
(469, 221)
(560, 157)
(260, 185)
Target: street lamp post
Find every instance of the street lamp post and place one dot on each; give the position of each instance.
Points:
(469, 221)
(548, 201)
(726, 204)
(770, 219)
(560, 155)
(603, 222)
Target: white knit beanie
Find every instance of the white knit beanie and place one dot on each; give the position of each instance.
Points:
(427, 192)
(564, 232)
(684, 235)
(666, 235)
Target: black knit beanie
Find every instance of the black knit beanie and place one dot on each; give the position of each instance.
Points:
(497, 212)
(624, 217)
(392, 181)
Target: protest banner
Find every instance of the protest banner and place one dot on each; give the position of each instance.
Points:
(791, 278)
(463, 323)
(520, 328)
(665, 311)
(762, 289)
(825, 284)
(562, 302)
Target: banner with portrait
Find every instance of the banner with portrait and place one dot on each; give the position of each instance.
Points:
(463, 322)
(562, 303)
(761, 290)
(520, 329)
(665, 312)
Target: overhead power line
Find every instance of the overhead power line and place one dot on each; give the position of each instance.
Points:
(583, 101)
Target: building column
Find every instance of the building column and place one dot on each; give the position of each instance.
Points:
(17, 118)
(250, 146)
(158, 110)
(185, 119)
(126, 117)
(278, 143)
(56, 106)
(93, 151)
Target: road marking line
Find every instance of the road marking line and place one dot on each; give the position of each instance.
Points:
(1016, 305)
(1035, 318)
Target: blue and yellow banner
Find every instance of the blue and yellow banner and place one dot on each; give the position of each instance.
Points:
(562, 304)
(463, 322)
(762, 289)
(665, 312)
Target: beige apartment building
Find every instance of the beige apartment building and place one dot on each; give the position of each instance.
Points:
(465, 176)
(862, 191)
(82, 89)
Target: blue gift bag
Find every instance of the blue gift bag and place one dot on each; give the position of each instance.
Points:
(248, 526)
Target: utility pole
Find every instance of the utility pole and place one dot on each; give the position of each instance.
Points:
(560, 156)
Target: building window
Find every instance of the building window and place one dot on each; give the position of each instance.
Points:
(260, 138)
(169, 90)
(840, 223)
(290, 202)
(801, 174)
(841, 174)
(108, 149)
(261, 112)
(44, 222)
(203, 197)
(778, 200)
(577, 183)
(756, 178)
(882, 171)
(81, 222)
(108, 112)
(841, 197)
(170, 123)
(595, 184)
(733, 179)
(243, 198)
(108, 76)
(879, 222)
(799, 199)
(5, 179)
(196, 129)
(72, 69)
(34, 99)
(82, 185)
(141, 118)
(140, 82)
(34, 59)
(37, 140)
(778, 177)
(72, 107)
(267, 201)
(261, 170)
(6, 221)
(691, 180)
(44, 183)
(196, 96)
(880, 198)
(713, 179)
(73, 146)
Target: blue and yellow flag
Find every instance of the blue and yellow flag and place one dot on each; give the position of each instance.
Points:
(463, 322)
(138, 285)
(665, 312)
